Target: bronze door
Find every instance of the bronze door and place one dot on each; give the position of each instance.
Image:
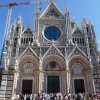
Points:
(53, 84)
(27, 87)
(79, 85)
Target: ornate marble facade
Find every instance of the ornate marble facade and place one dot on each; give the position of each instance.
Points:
(31, 56)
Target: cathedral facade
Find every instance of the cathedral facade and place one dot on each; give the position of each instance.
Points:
(57, 56)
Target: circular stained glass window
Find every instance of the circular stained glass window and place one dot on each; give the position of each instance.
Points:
(52, 33)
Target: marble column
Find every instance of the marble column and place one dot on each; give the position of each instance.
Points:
(41, 82)
(34, 83)
(68, 89)
(65, 82)
(60, 83)
(92, 83)
(45, 84)
(18, 83)
(37, 83)
(87, 83)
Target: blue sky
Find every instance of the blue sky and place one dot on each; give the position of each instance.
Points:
(77, 8)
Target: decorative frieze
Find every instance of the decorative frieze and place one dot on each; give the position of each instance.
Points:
(52, 22)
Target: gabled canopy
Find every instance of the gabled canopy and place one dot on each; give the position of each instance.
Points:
(52, 12)
(77, 30)
(27, 30)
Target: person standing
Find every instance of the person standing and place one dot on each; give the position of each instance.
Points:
(87, 96)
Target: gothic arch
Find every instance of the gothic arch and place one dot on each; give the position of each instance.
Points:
(81, 60)
(57, 59)
(28, 59)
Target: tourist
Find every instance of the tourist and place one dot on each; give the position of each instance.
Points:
(31, 97)
(69, 96)
(57, 96)
(87, 96)
(66, 97)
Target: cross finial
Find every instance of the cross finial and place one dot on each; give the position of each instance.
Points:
(51, 1)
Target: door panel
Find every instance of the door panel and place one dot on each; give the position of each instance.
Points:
(27, 87)
(79, 85)
(53, 84)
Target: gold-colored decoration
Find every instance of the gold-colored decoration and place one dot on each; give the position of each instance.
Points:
(52, 64)
(52, 13)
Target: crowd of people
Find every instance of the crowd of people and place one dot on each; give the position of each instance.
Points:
(60, 96)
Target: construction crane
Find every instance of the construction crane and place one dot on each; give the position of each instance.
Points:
(10, 5)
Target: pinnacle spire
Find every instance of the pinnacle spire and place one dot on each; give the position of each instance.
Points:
(51, 1)
(66, 8)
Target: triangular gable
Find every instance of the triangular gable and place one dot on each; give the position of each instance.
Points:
(77, 30)
(52, 51)
(52, 11)
(77, 51)
(28, 51)
(27, 30)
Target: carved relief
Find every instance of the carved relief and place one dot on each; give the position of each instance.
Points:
(77, 68)
(53, 66)
(28, 68)
(52, 12)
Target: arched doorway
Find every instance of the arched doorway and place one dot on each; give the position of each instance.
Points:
(53, 67)
(27, 84)
(26, 81)
(78, 77)
(81, 75)
(53, 83)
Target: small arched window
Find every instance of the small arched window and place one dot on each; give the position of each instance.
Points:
(17, 29)
(87, 29)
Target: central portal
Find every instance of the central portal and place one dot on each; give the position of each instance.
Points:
(27, 87)
(53, 84)
(79, 85)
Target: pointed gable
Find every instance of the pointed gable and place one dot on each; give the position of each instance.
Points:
(28, 51)
(52, 51)
(52, 12)
(27, 30)
(77, 51)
